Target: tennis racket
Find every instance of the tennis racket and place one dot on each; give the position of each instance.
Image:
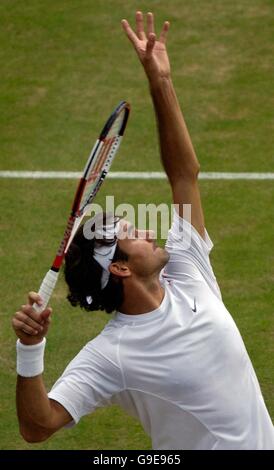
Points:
(96, 169)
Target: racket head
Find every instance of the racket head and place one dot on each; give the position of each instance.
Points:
(95, 171)
(101, 156)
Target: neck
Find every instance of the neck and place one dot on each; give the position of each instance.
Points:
(141, 297)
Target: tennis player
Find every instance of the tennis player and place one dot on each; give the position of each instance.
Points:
(172, 355)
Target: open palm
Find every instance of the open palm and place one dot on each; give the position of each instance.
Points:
(151, 52)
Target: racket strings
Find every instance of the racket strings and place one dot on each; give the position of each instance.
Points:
(102, 159)
(95, 172)
(104, 154)
(117, 125)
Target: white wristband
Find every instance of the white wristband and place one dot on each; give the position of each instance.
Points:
(30, 359)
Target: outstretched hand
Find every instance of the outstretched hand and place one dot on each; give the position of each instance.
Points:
(151, 51)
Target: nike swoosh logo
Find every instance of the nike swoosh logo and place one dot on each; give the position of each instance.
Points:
(195, 307)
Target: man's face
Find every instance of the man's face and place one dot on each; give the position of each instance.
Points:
(145, 257)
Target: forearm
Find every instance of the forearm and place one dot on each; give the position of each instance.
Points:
(33, 407)
(177, 152)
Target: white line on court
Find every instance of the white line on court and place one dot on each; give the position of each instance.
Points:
(133, 175)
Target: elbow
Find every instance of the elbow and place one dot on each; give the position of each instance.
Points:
(198, 168)
(33, 436)
(187, 175)
(193, 172)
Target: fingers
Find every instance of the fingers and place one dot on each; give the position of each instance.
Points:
(129, 32)
(150, 23)
(33, 297)
(26, 323)
(140, 25)
(45, 315)
(32, 316)
(163, 34)
(30, 312)
(22, 326)
(31, 322)
(150, 45)
(140, 32)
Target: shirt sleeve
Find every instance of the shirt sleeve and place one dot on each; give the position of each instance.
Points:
(189, 254)
(89, 381)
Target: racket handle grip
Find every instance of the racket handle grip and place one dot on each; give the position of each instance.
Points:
(46, 290)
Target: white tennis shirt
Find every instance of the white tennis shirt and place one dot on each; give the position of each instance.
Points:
(181, 369)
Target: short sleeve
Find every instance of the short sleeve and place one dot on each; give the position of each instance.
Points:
(89, 381)
(189, 254)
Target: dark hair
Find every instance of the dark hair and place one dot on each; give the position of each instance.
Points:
(83, 277)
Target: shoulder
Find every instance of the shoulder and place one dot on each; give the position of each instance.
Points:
(183, 236)
(105, 346)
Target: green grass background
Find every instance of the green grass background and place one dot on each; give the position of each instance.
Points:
(64, 66)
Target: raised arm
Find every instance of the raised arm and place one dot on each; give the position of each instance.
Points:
(177, 152)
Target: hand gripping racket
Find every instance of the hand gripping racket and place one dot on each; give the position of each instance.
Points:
(95, 171)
